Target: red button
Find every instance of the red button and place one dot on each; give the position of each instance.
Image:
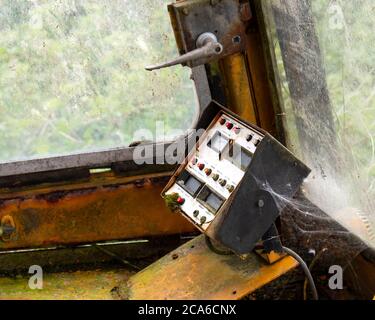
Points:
(180, 200)
(201, 166)
(229, 126)
(222, 121)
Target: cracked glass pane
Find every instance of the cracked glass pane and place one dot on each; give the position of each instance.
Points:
(72, 77)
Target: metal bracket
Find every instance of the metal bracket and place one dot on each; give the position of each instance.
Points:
(226, 19)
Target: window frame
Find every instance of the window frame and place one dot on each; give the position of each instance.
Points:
(97, 159)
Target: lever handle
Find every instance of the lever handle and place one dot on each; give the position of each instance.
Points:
(207, 46)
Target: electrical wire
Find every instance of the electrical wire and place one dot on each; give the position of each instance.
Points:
(305, 269)
(287, 250)
(311, 266)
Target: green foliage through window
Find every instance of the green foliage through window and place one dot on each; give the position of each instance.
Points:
(72, 75)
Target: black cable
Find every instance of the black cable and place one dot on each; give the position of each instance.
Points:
(305, 269)
(287, 250)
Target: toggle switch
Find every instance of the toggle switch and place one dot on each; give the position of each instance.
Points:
(222, 182)
(230, 188)
(249, 138)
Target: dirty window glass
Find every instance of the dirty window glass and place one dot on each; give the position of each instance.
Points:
(325, 69)
(72, 76)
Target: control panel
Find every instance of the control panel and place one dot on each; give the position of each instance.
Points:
(214, 169)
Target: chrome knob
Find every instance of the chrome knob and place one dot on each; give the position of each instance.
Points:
(207, 47)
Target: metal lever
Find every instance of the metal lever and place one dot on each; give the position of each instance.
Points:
(207, 46)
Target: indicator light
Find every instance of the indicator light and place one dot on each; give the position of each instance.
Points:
(229, 126)
(180, 200)
(201, 166)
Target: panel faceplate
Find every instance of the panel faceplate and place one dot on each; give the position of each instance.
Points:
(215, 169)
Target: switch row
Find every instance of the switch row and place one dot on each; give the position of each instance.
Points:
(237, 130)
(229, 125)
(215, 176)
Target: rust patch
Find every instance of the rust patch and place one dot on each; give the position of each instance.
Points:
(198, 273)
(95, 214)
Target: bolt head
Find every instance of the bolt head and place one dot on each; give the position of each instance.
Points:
(260, 203)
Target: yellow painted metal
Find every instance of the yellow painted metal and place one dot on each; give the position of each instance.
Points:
(239, 94)
(247, 87)
(90, 213)
(194, 272)
(260, 87)
(79, 285)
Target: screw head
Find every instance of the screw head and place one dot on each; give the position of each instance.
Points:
(236, 39)
(260, 203)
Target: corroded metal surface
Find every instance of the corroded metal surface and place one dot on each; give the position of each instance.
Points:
(194, 272)
(226, 19)
(79, 285)
(238, 89)
(97, 213)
